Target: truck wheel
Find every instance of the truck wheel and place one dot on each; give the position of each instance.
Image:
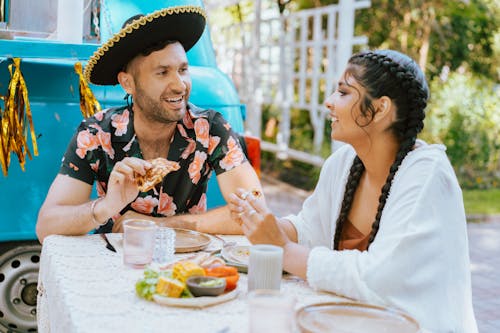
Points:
(18, 287)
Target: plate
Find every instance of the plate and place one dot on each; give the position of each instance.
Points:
(237, 255)
(190, 241)
(196, 302)
(345, 317)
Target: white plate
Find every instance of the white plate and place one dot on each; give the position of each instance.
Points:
(196, 302)
(236, 254)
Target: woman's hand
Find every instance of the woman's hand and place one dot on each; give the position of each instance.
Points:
(258, 223)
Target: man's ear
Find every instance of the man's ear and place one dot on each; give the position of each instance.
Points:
(383, 107)
(127, 82)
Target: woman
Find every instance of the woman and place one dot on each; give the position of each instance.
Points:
(386, 222)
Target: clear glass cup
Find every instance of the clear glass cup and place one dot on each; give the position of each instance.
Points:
(164, 244)
(138, 242)
(270, 311)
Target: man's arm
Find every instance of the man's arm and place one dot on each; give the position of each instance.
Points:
(68, 211)
(214, 221)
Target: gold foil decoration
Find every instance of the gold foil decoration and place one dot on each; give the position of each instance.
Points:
(16, 120)
(88, 103)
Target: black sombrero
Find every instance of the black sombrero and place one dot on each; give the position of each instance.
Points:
(183, 23)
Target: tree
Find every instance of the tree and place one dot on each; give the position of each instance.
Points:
(437, 33)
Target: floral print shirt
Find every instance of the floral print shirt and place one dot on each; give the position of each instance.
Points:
(203, 141)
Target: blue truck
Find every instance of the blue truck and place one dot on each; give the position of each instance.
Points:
(47, 65)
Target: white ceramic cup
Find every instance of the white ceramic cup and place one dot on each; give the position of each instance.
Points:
(138, 242)
(265, 267)
(270, 311)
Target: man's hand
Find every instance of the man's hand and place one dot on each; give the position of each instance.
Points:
(122, 186)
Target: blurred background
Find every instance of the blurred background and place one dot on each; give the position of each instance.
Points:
(285, 56)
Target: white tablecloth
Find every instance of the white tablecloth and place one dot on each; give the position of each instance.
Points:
(83, 287)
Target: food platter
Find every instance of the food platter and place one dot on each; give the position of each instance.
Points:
(196, 302)
(190, 241)
(353, 318)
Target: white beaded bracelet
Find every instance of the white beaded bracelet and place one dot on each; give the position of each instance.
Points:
(92, 213)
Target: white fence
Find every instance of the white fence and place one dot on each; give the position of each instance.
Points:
(288, 62)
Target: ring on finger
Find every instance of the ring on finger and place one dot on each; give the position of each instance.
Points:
(244, 196)
(241, 214)
(253, 211)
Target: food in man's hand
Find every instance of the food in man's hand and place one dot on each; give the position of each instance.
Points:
(153, 176)
(184, 269)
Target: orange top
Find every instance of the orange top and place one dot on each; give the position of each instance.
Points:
(352, 238)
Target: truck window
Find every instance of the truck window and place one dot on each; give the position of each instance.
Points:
(15, 18)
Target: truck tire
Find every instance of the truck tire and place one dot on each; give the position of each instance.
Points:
(19, 264)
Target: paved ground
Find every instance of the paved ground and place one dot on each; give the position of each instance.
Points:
(484, 247)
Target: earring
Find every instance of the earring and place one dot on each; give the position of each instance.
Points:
(129, 101)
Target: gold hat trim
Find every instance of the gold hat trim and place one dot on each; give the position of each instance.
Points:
(134, 26)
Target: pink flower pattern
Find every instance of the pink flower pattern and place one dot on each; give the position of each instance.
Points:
(120, 122)
(203, 142)
(166, 206)
(145, 205)
(201, 207)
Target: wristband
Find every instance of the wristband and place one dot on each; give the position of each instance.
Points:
(92, 213)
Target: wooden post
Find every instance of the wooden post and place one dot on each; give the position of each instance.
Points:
(254, 115)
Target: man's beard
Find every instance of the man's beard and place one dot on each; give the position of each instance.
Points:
(153, 110)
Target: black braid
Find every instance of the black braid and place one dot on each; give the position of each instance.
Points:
(392, 74)
(357, 169)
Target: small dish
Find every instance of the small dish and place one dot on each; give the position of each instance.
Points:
(206, 285)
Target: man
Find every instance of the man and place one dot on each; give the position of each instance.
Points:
(148, 59)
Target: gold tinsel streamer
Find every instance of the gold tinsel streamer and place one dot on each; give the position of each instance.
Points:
(88, 103)
(14, 127)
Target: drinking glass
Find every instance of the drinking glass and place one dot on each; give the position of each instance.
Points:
(270, 311)
(164, 244)
(138, 242)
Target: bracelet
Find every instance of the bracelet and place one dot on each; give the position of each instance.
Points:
(92, 213)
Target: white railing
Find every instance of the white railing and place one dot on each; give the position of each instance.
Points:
(288, 63)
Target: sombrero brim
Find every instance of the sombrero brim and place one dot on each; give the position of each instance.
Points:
(183, 23)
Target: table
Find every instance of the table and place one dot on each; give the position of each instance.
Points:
(83, 287)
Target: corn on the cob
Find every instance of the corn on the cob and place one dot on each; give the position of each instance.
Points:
(169, 287)
(184, 269)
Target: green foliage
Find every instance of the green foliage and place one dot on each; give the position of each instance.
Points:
(463, 114)
(436, 33)
(458, 45)
(482, 201)
(297, 173)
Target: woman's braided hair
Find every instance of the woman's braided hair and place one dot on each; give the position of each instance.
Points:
(395, 75)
